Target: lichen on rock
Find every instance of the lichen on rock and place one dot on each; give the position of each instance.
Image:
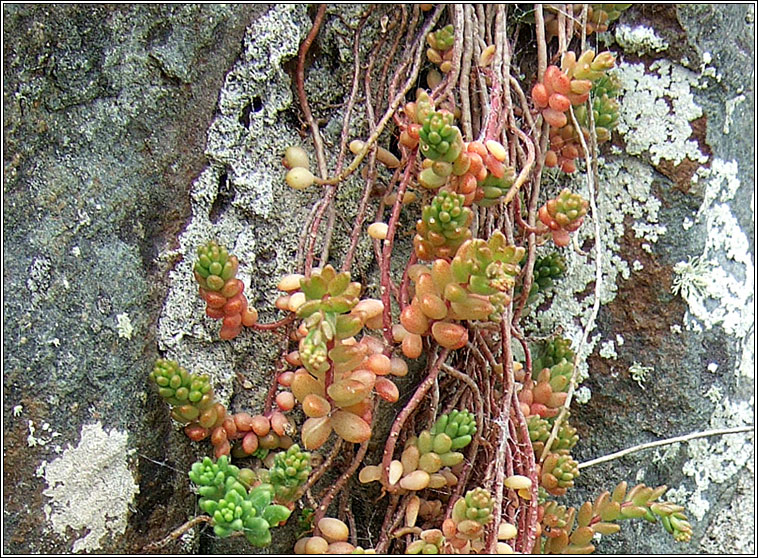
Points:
(90, 487)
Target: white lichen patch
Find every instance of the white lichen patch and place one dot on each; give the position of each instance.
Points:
(90, 487)
(714, 394)
(624, 191)
(124, 325)
(39, 438)
(656, 110)
(582, 395)
(718, 285)
(258, 87)
(639, 373)
(608, 350)
(639, 39)
(731, 104)
(719, 458)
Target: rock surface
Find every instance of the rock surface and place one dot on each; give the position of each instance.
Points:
(127, 128)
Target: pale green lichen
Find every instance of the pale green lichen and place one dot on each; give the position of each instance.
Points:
(124, 326)
(718, 285)
(639, 373)
(608, 350)
(656, 109)
(639, 39)
(90, 487)
(716, 460)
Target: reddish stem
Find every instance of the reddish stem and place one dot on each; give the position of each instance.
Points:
(421, 391)
(274, 325)
(387, 251)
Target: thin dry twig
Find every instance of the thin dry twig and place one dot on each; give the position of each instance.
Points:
(590, 325)
(666, 442)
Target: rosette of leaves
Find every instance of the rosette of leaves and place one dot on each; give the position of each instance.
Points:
(441, 47)
(487, 267)
(563, 87)
(495, 187)
(192, 401)
(345, 404)
(289, 472)
(443, 227)
(213, 480)
(254, 514)
(553, 352)
(605, 111)
(441, 139)
(470, 169)
(546, 396)
(215, 271)
(474, 286)
(546, 270)
(557, 473)
(557, 92)
(464, 529)
(232, 506)
(329, 297)
(188, 394)
(427, 458)
(563, 214)
(432, 450)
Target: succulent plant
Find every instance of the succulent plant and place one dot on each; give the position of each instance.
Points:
(605, 112)
(570, 531)
(553, 352)
(570, 85)
(231, 505)
(213, 480)
(460, 426)
(495, 187)
(558, 472)
(441, 44)
(599, 16)
(178, 388)
(557, 92)
(608, 85)
(443, 227)
(427, 458)
(430, 541)
(539, 431)
(289, 472)
(475, 506)
(487, 267)
(215, 271)
(192, 401)
(464, 530)
(546, 270)
(563, 214)
(441, 139)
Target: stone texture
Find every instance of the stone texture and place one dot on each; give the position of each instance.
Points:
(106, 110)
(134, 133)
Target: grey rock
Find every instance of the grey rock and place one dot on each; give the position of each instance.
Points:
(132, 134)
